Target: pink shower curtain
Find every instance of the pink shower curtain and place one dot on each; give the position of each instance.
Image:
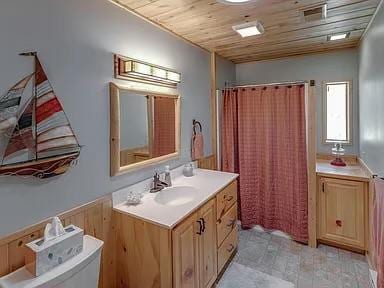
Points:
(164, 121)
(264, 140)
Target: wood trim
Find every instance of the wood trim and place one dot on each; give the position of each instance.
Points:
(349, 107)
(213, 106)
(311, 161)
(140, 88)
(96, 218)
(371, 196)
(208, 162)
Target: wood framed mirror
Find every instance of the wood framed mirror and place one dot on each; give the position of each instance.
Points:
(144, 126)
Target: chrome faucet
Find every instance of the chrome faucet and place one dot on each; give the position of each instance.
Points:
(157, 184)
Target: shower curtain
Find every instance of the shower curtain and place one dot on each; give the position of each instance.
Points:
(264, 140)
(164, 121)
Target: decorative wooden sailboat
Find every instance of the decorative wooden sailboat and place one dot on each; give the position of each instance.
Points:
(39, 139)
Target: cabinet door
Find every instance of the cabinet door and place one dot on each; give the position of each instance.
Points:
(341, 212)
(208, 245)
(185, 254)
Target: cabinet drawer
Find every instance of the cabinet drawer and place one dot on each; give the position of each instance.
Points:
(226, 224)
(226, 249)
(226, 198)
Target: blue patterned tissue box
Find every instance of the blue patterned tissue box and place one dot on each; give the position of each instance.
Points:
(42, 256)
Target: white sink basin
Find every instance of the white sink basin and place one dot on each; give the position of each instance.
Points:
(176, 196)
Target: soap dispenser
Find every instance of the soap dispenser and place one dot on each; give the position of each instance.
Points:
(167, 176)
(188, 170)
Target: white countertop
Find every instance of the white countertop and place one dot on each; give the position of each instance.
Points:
(206, 182)
(353, 172)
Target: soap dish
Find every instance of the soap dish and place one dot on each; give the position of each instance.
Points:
(134, 198)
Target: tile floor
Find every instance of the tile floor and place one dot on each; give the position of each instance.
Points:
(324, 267)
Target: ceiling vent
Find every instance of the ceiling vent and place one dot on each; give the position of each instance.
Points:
(315, 13)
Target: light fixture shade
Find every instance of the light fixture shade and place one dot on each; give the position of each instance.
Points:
(131, 69)
(339, 36)
(173, 76)
(249, 29)
(235, 2)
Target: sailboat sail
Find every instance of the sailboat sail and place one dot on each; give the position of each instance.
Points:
(9, 106)
(21, 145)
(40, 140)
(53, 132)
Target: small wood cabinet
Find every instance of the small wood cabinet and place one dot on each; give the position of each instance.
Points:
(342, 212)
(191, 255)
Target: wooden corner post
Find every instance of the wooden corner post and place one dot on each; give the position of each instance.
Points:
(213, 107)
(310, 100)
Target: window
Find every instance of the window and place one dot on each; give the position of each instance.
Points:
(337, 112)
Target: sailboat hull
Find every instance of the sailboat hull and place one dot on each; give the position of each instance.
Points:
(43, 169)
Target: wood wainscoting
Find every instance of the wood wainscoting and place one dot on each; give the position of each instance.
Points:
(96, 218)
(208, 162)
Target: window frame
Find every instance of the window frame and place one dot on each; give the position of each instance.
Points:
(349, 109)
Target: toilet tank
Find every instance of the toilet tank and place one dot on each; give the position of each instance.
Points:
(80, 271)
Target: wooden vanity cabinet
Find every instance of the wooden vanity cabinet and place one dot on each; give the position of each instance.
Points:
(227, 238)
(186, 253)
(342, 212)
(195, 249)
(207, 245)
(187, 256)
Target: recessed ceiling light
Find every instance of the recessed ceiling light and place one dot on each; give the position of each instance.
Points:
(249, 29)
(338, 36)
(235, 2)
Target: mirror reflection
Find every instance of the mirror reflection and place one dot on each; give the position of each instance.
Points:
(147, 126)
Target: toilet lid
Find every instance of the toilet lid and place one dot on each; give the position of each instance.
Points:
(22, 278)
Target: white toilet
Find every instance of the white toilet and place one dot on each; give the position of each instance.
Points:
(81, 271)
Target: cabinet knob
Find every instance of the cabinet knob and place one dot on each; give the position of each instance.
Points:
(203, 222)
(200, 227)
(230, 248)
(231, 223)
(339, 223)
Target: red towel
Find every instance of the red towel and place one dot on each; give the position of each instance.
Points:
(197, 146)
(378, 231)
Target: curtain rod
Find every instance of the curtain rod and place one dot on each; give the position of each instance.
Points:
(271, 84)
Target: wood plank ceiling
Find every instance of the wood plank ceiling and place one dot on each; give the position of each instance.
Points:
(208, 24)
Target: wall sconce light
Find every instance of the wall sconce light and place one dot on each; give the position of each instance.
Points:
(131, 69)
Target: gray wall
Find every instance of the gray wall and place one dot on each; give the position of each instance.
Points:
(134, 120)
(226, 72)
(371, 95)
(76, 40)
(335, 66)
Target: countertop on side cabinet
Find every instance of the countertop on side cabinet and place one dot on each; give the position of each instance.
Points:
(350, 172)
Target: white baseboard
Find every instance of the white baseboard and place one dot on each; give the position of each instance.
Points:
(373, 277)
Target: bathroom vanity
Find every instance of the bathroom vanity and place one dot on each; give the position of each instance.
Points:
(182, 236)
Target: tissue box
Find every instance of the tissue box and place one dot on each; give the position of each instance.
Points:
(41, 256)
